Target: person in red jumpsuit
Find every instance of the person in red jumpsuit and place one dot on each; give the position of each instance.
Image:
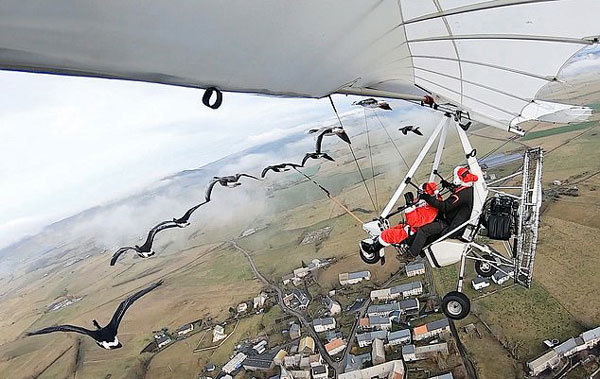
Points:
(417, 214)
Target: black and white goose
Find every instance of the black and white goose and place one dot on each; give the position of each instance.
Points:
(373, 103)
(184, 220)
(411, 128)
(226, 181)
(316, 156)
(329, 131)
(282, 167)
(105, 336)
(145, 251)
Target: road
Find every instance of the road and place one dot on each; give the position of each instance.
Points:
(334, 365)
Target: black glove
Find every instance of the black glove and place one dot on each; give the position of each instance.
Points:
(446, 184)
(409, 197)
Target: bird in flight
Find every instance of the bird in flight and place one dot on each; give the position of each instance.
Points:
(316, 156)
(184, 220)
(105, 336)
(279, 168)
(145, 251)
(373, 103)
(226, 181)
(411, 128)
(329, 131)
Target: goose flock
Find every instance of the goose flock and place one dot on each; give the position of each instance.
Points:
(106, 336)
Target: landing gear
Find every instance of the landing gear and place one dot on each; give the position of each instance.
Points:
(484, 268)
(456, 305)
(369, 258)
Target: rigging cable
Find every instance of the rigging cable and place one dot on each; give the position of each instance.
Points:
(330, 196)
(391, 140)
(354, 156)
(371, 156)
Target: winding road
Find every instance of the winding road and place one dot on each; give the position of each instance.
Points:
(333, 365)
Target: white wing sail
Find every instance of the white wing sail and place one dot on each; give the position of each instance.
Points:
(488, 57)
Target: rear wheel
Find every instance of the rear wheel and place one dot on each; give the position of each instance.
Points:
(485, 269)
(456, 305)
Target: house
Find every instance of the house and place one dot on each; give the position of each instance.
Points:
(403, 290)
(162, 340)
(480, 283)
(443, 376)
(300, 374)
(218, 333)
(431, 329)
(501, 277)
(323, 324)
(407, 289)
(301, 298)
(320, 372)
(279, 357)
(416, 268)
(347, 278)
(330, 335)
(363, 323)
(263, 362)
(591, 337)
(409, 305)
(286, 279)
(399, 337)
(295, 331)
(235, 363)
(284, 374)
(306, 345)
(383, 310)
(356, 362)
(242, 307)
(335, 346)
(414, 353)
(365, 339)
(332, 306)
(408, 353)
(210, 367)
(378, 352)
(380, 323)
(381, 294)
(292, 360)
(185, 329)
(549, 360)
(259, 301)
(260, 347)
(390, 370)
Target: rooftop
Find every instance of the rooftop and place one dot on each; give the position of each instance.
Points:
(324, 321)
(406, 287)
(358, 274)
(415, 266)
(399, 334)
(408, 349)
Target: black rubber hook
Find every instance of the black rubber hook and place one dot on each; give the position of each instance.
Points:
(207, 95)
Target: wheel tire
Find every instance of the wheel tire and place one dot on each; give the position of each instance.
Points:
(456, 305)
(485, 269)
(368, 259)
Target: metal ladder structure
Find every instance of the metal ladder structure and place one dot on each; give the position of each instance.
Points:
(529, 216)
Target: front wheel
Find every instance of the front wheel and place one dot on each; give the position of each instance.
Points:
(456, 305)
(369, 258)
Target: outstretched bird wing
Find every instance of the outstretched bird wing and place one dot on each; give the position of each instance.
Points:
(147, 246)
(238, 176)
(122, 308)
(185, 218)
(319, 142)
(306, 157)
(404, 130)
(209, 189)
(385, 105)
(417, 131)
(326, 156)
(118, 253)
(314, 130)
(265, 170)
(344, 137)
(62, 328)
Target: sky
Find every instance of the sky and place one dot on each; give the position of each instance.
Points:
(68, 143)
(72, 143)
